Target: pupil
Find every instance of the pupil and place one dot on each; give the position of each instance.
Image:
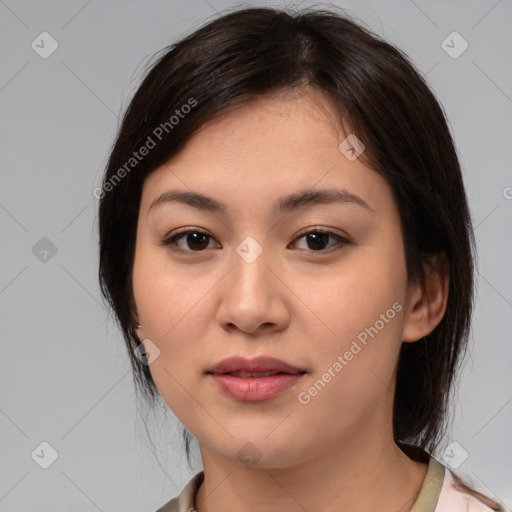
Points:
(195, 238)
(317, 238)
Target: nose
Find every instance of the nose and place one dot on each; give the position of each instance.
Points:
(252, 298)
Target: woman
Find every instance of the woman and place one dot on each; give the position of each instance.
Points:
(286, 244)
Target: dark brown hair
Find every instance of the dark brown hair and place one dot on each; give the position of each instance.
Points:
(379, 96)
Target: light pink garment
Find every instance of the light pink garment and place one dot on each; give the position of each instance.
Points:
(453, 500)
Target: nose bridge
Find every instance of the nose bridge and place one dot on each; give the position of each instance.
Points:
(250, 276)
(251, 295)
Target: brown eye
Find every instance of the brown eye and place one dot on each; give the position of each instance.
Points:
(194, 240)
(318, 240)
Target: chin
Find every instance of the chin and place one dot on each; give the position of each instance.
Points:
(262, 451)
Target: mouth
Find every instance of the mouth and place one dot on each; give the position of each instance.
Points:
(253, 380)
(269, 373)
(262, 366)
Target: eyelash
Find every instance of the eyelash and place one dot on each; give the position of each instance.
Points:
(171, 241)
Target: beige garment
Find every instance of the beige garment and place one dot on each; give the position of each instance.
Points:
(437, 494)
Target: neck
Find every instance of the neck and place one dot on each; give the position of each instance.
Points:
(366, 473)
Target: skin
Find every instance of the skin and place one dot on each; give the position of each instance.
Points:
(294, 303)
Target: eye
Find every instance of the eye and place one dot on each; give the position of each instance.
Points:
(196, 240)
(318, 239)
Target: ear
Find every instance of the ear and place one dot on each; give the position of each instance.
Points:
(425, 309)
(137, 327)
(135, 321)
(140, 334)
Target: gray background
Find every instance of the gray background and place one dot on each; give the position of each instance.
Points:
(64, 374)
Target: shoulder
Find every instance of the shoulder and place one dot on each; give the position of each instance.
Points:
(170, 506)
(185, 501)
(457, 496)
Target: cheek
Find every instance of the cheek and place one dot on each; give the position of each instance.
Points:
(172, 310)
(164, 294)
(356, 294)
(176, 370)
(165, 313)
(362, 313)
(354, 369)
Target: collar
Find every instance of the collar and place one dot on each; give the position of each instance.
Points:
(425, 502)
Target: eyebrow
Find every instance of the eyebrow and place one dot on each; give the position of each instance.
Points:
(285, 204)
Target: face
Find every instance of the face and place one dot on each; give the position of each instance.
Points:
(320, 285)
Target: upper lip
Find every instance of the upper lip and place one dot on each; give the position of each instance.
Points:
(257, 364)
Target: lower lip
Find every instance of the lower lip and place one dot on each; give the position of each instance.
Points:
(254, 389)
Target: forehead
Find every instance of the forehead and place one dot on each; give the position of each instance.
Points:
(287, 119)
(265, 148)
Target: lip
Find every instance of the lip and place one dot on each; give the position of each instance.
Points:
(256, 364)
(250, 388)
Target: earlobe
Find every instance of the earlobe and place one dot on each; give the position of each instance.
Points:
(136, 324)
(426, 308)
(137, 327)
